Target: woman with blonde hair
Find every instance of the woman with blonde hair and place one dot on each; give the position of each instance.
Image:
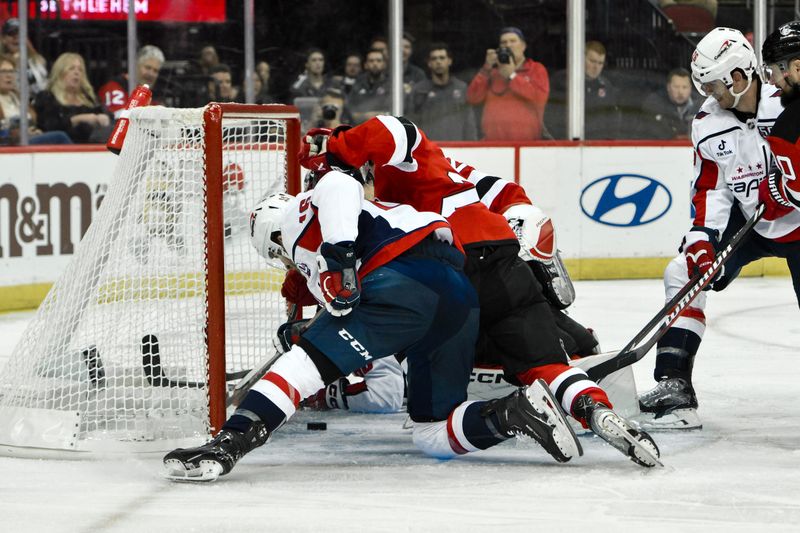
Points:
(11, 108)
(70, 104)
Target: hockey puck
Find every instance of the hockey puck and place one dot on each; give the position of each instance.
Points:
(316, 426)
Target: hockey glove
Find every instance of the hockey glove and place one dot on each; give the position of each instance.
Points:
(772, 194)
(295, 289)
(289, 333)
(699, 251)
(334, 396)
(338, 278)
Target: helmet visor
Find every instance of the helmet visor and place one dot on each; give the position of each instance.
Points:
(710, 88)
(773, 72)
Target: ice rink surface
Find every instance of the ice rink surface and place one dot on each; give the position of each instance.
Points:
(741, 472)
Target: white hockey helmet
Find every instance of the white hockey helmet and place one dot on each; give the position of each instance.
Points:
(265, 228)
(717, 55)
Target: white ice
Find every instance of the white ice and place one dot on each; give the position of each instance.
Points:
(741, 472)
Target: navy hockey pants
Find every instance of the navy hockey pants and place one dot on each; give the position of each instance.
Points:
(420, 304)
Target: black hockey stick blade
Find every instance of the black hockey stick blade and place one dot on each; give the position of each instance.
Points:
(154, 372)
(668, 314)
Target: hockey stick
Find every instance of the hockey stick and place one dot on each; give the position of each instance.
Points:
(243, 387)
(154, 372)
(673, 308)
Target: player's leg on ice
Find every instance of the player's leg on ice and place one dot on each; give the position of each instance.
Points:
(439, 367)
(672, 403)
(519, 332)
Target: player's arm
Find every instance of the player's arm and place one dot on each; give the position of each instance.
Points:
(384, 140)
(535, 89)
(496, 193)
(784, 188)
(337, 199)
(377, 388)
(712, 202)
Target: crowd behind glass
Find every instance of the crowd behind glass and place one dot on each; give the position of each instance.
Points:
(511, 97)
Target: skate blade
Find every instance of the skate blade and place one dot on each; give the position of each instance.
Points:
(679, 419)
(541, 397)
(207, 472)
(642, 452)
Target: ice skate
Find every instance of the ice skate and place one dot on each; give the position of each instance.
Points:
(534, 412)
(215, 458)
(671, 404)
(616, 431)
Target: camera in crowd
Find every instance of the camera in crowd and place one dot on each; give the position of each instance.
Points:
(504, 55)
(329, 111)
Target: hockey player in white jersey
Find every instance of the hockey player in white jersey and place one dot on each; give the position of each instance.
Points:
(731, 158)
(391, 280)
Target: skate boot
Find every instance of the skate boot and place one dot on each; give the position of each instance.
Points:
(215, 458)
(671, 404)
(533, 412)
(616, 431)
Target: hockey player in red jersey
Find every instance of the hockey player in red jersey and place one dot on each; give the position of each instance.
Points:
(409, 168)
(390, 279)
(732, 163)
(781, 65)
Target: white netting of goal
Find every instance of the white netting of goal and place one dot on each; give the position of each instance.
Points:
(116, 356)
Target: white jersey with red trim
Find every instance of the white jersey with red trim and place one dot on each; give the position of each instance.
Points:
(335, 211)
(411, 169)
(731, 159)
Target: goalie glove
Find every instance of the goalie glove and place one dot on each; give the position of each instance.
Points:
(338, 278)
(699, 247)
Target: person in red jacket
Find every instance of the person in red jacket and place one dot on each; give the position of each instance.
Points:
(513, 90)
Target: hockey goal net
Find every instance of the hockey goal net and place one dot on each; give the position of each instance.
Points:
(165, 297)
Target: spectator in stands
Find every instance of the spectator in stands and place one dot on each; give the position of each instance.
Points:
(379, 42)
(10, 111)
(601, 105)
(313, 82)
(513, 90)
(439, 105)
(603, 117)
(263, 94)
(669, 112)
(37, 65)
(220, 86)
(412, 74)
(371, 94)
(207, 60)
(114, 93)
(69, 104)
(332, 111)
(352, 69)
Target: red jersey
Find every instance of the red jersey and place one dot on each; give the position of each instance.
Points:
(496, 193)
(113, 95)
(411, 169)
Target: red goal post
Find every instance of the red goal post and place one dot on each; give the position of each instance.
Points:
(213, 119)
